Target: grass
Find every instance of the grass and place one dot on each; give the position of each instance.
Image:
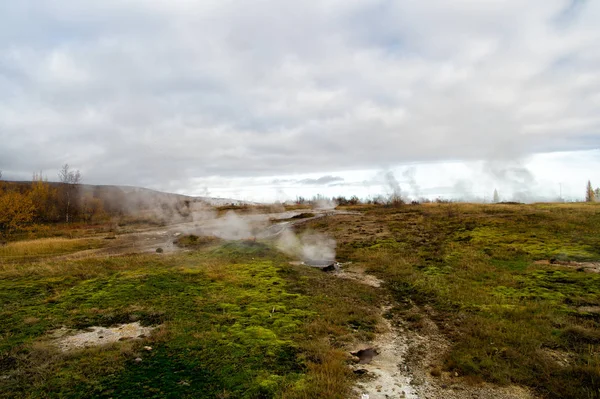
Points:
(44, 247)
(235, 320)
(475, 265)
(193, 241)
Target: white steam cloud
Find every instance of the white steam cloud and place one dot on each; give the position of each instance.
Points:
(307, 246)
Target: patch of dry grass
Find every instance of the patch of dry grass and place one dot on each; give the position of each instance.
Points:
(44, 247)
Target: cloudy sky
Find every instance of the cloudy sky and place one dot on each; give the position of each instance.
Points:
(274, 98)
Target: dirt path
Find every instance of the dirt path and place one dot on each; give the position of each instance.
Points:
(387, 376)
(405, 363)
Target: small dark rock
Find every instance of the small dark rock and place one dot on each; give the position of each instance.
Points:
(365, 355)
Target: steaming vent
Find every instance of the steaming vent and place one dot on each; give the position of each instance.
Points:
(324, 265)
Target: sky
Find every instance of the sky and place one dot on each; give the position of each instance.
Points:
(272, 99)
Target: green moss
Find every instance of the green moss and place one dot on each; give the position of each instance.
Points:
(233, 320)
(540, 244)
(476, 264)
(225, 333)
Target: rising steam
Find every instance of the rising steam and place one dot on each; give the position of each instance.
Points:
(308, 246)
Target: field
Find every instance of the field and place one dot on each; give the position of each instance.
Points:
(490, 301)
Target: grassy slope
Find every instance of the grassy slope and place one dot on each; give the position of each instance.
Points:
(475, 265)
(237, 321)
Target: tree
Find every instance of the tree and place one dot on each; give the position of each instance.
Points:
(496, 197)
(70, 179)
(16, 210)
(92, 209)
(597, 193)
(590, 195)
(43, 198)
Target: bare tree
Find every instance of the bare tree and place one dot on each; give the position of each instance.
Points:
(70, 179)
(496, 197)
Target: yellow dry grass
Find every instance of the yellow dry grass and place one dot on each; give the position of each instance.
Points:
(42, 247)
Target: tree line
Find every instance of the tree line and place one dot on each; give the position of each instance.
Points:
(43, 202)
(26, 204)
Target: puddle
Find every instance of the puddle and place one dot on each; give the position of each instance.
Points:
(68, 340)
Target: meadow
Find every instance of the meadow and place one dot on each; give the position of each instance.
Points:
(511, 287)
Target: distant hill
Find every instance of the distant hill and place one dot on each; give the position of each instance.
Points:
(142, 194)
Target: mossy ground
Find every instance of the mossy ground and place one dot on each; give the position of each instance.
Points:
(236, 321)
(475, 265)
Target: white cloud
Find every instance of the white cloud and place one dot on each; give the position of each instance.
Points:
(161, 93)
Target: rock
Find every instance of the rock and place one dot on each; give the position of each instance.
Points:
(137, 360)
(148, 348)
(365, 355)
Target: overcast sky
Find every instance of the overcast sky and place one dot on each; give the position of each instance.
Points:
(267, 99)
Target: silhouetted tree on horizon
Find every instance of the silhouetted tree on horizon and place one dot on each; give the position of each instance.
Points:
(590, 194)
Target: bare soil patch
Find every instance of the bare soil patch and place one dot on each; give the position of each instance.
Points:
(589, 267)
(69, 340)
(404, 363)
